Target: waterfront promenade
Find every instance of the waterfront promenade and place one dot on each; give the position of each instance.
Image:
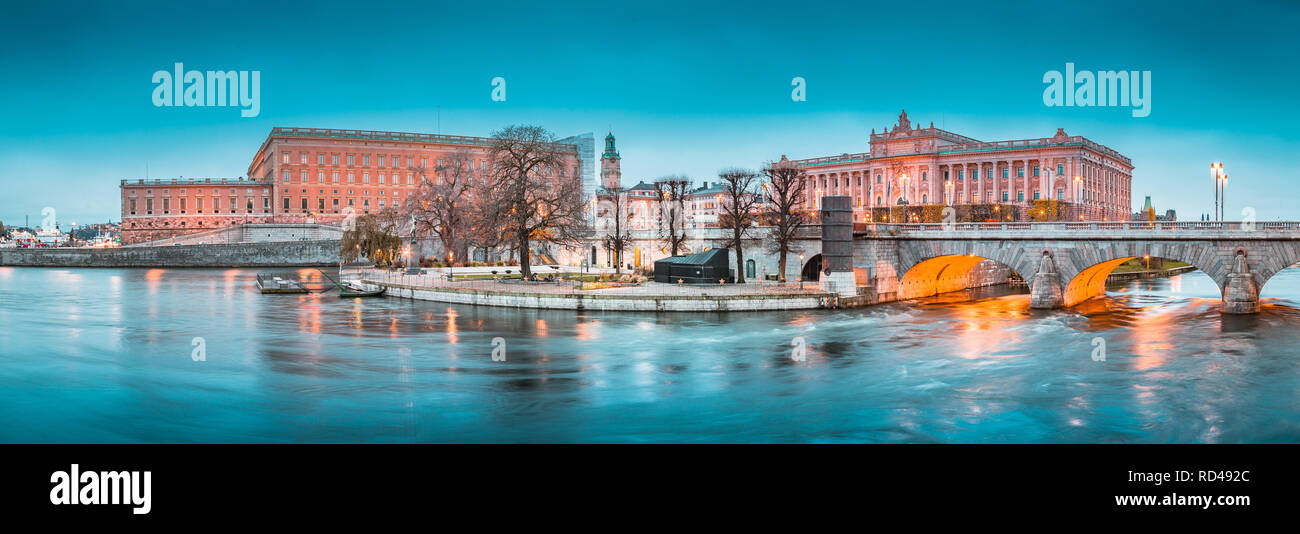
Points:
(606, 296)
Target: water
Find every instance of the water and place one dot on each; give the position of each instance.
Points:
(102, 356)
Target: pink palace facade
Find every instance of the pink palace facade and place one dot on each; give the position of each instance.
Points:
(304, 175)
(930, 166)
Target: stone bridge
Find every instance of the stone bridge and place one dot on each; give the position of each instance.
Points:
(1066, 263)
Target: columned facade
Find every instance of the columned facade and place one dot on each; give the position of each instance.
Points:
(922, 166)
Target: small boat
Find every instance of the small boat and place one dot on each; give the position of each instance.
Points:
(356, 290)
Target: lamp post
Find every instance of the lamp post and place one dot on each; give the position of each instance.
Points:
(1078, 192)
(1223, 196)
(1147, 257)
(1216, 174)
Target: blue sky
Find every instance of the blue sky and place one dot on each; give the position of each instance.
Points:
(689, 87)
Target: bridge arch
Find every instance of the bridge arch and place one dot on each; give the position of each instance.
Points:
(945, 266)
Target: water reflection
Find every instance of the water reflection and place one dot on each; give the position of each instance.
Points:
(104, 356)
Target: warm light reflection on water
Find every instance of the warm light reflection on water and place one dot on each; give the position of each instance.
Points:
(103, 355)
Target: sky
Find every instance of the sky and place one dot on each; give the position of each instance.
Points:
(687, 87)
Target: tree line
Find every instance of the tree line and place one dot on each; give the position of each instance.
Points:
(527, 194)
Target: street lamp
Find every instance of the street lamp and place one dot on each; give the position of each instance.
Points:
(1078, 192)
(1216, 174)
(1147, 257)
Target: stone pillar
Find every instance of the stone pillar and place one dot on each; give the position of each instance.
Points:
(1240, 294)
(837, 247)
(1045, 291)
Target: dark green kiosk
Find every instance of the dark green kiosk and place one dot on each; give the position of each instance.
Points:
(703, 268)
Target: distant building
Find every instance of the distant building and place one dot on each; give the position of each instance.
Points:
(1148, 213)
(930, 166)
(301, 175)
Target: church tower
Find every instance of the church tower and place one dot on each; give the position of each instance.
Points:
(611, 176)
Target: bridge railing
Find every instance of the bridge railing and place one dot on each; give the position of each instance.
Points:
(1154, 226)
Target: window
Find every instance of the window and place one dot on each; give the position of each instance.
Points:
(410, 179)
(365, 160)
(380, 159)
(286, 203)
(352, 160)
(1005, 196)
(365, 177)
(304, 177)
(304, 203)
(335, 157)
(1060, 194)
(284, 157)
(408, 162)
(320, 177)
(394, 162)
(320, 204)
(1036, 195)
(336, 177)
(1035, 172)
(320, 158)
(352, 178)
(877, 181)
(302, 158)
(1060, 168)
(945, 175)
(991, 173)
(286, 176)
(381, 177)
(216, 204)
(1020, 196)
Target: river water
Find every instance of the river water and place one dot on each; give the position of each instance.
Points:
(184, 355)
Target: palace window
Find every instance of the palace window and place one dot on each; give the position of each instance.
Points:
(365, 160)
(1060, 168)
(320, 158)
(1020, 196)
(352, 160)
(286, 203)
(335, 158)
(381, 177)
(1035, 172)
(1060, 194)
(284, 157)
(302, 158)
(336, 177)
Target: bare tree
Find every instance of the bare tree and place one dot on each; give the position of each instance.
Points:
(618, 236)
(535, 195)
(787, 186)
(672, 210)
(441, 206)
(374, 236)
(737, 211)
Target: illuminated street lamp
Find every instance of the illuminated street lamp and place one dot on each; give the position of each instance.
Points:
(947, 192)
(1216, 174)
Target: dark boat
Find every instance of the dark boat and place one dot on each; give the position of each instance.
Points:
(351, 291)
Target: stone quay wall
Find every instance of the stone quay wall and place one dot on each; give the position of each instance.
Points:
(268, 254)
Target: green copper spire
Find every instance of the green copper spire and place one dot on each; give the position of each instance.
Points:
(610, 151)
